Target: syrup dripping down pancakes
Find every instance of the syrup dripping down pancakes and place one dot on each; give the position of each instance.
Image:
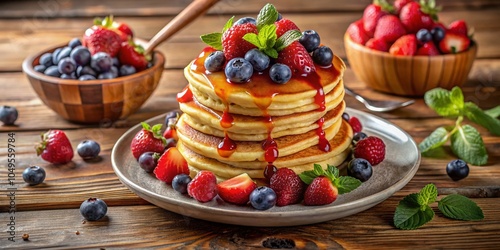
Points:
(230, 128)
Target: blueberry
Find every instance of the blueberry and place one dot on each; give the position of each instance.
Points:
(215, 61)
(114, 70)
(81, 55)
(171, 142)
(423, 36)
(360, 169)
(34, 175)
(437, 34)
(244, 20)
(126, 70)
(457, 169)
(52, 71)
(85, 70)
(238, 70)
(279, 17)
(101, 62)
(346, 116)
(88, 149)
(8, 114)
(359, 136)
(116, 62)
(171, 117)
(54, 56)
(148, 161)
(93, 209)
(310, 40)
(66, 66)
(74, 43)
(263, 198)
(322, 56)
(65, 52)
(86, 77)
(46, 59)
(66, 76)
(40, 68)
(180, 182)
(106, 75)
(280, 73)
(258, 59)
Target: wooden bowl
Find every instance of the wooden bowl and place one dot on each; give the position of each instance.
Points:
(408, 75)
(95, 101)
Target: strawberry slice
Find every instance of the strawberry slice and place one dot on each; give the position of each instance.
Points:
(453, 43)
(321, 191)
(404, 46)
(170, 164)
(237, 190)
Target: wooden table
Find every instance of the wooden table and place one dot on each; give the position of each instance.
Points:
(49, 212)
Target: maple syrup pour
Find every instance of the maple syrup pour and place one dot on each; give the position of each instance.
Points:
(227, 147)
(323, 143)
(185, 95)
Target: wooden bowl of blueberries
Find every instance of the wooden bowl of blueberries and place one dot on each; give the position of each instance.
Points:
(87, 82)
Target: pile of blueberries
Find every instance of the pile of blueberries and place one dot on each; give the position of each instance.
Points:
(75, 61)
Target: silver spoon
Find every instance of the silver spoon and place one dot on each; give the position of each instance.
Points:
(378, 106)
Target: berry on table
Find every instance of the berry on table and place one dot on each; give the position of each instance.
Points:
(55, 147)
(88, 149)
(238, 70)
(8, 114)
(258, 59)
(323, 56)
(372, 149)
(457, 169)
(288, 186)
(263, 198)
(360, 169)
(34, 175)
(215, 61)
(180, 183)
(203, 187)
(280, 73)
(310, 40)
(148, 161)
(93, 209)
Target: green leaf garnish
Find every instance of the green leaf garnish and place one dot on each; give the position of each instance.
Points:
(409, 215)
(427, 195)
(434, 140)
(214, 40)
(267, 15)
(344, 184)
(441, 101)
(288, 38)
(459, 207)
(468, 145)
(494, 112)
(477, 115)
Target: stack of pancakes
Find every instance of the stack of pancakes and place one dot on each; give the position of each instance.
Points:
(231, 129)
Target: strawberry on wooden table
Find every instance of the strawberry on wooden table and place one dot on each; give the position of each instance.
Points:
(55, 147)
(101, 37)
(170, 164)
(133, 54)
(148, 139)
(237, 190)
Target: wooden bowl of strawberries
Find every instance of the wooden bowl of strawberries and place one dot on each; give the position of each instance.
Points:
(402, 49)
(103, 76)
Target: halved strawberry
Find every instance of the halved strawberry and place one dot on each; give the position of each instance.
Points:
(428, 49)
(404, 46)
(458, 27)
(357, 32)
(171, 132)
(320, 192)
(170, 164)
(453, 43)
(237, 189)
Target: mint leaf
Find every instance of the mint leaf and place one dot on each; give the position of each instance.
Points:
(346, 184)
(427, 195)
(409, 214)
(271, 52)
(457, 98)
(253, 39)
(442, 101)
(228, 24)
(335, 172)
(494, 112)
(286, 39)
(307, 176)
(267, 15)
(459, 207)
(468, 145)
(434, 140)
(477, 115)
(214, 40)
(267, 35)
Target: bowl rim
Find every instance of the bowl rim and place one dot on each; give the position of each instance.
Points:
(27, 66)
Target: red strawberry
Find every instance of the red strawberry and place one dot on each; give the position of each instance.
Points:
(321, 191)
(170, 164)
(233, 43)
(203, 187)
(237, 190)
(284, 25)
(389, 28)
(371, 149)
(288, 187)
(416, 16)
(133, 54)
(404, 46)
(428, 49)
(55, 147)
(399, 4)
(453, 43)
(123, 30)
(372, 13)
(355, 124)
(357, 32)
(102, 38)
(377, 44)
(149, 139)
(297, 58)
(171, 132)
(458, 27)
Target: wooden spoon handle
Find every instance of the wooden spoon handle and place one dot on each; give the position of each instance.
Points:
(191, 12)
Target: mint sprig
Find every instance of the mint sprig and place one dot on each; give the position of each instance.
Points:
(215, 39)
(466, 141)
(415, 211)
(344, 184)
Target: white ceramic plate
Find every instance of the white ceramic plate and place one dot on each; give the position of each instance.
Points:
(398, 168)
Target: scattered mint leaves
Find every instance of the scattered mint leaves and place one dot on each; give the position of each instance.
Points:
(414, 210)
(466, 141)
(344, 184)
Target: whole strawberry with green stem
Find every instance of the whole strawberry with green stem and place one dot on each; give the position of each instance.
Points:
(101, 37)
(148, 139)
(419, 15)
(373, 12)
(134, 55)
(55, 147)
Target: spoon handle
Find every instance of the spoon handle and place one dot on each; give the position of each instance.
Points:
(191, 12)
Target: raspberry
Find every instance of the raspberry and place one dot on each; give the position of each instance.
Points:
(371, 149)
(203, 187)
(355, 124)
(288, 187)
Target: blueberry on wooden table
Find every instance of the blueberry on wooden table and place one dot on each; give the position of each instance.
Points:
(457, 169)
(8, 114)
(34, 175)
(88, 149)
(93, 209)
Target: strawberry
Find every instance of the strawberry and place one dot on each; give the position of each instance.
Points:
(203, 187)
(133, 54)
(372, 13)
(171, 132)
(170, 164)
(284, 25)
(297, 58)
(288, 187)
(404, 46)
(357, 32)
(416, 16)
(321, 191)
(233, 43)
(399, 4)
(237, 190)
(102, 38)
(428, 49)
(355, 124)
(55, 147)
(458, 27)
(389, 28)
(148, 139)
(371, 149)
(454, 43)
(377, 44)
(123, 30)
